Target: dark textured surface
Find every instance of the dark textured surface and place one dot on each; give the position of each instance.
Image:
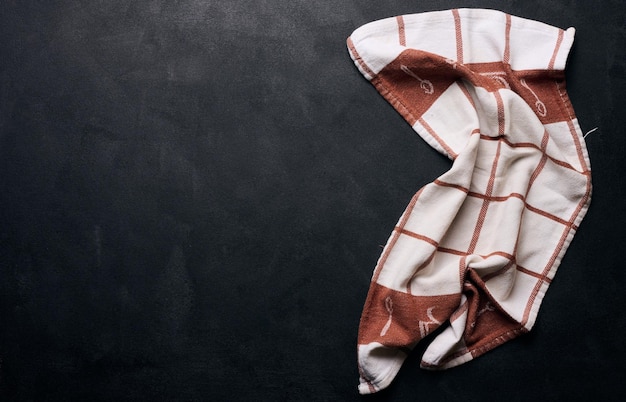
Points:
(194, 193)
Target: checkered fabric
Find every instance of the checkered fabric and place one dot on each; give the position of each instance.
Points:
(476, 249)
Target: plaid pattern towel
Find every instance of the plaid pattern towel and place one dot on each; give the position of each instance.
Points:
(476, 249)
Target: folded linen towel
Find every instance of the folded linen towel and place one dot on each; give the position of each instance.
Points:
(476, 249)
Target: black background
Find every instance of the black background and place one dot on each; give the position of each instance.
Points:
(194, 195)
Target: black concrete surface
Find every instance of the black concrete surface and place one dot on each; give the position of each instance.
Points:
(193, 196)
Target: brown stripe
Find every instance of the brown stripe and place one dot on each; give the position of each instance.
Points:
(542, 161)
(444, 184)
(566, 165)
(534, 274)
(579, 150)
(465, 253)
(496, 198)
(498, 272)
(485, 206)
(500, 104)
(462, 269)
(550, 216)
(507, 40)
(535, 174)
(521, 144)
(459, 36)
(417, 236)
(478, 195)
(490, 138)
(500, 253)
(358, 58)
(401, 33)
(424, 265)
(531, 145)
(452, 251)
(556, 50)
(487, 67)
(437, 138)
(479, 226)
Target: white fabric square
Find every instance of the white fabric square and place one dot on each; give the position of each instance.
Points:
(565, 152)
(407, 255)
(501, 218)
(515, 298)
(538, 240)
(452, 117)
(483, 39)
(422, 28)
(440, 277)
(515, 168)
(555, 189)
(431, 222)
(456, 237)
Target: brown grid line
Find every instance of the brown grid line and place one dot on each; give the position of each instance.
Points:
(507, 197)
(417, 236)
(422, 266)
(358, 58)
(483, 210)
(531, 145)
(500, 271)
(507, 41)
(556, 50)
(550, 216)
(533, 273)
(459, 36)
(401, 32)
(441, 142)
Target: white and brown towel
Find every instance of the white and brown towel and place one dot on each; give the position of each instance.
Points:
(476, 249)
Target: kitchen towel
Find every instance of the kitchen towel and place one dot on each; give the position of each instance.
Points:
(476, 250)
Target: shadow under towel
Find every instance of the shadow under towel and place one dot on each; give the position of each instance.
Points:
(476, 249)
